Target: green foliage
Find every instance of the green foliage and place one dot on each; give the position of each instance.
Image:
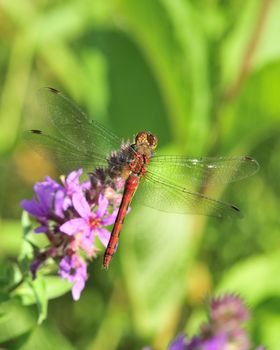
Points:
(204, 77)
(17, 341)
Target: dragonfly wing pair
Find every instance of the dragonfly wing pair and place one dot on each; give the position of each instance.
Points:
(79, 141)
(176, 180)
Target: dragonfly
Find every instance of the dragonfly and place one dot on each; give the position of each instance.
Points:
(165, 182)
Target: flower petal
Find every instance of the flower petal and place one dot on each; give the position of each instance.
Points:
(179, 343)
(35, 266)
(73, 177)
(41, 229)
(58, 202)
(74, 268)
(110, 219)
(52, 184)
(65, 266)
(32, 207)
(77, 288)
(87, 239)
(73, 226)
(86, 185)
(66, 203)
(81, 205)
(104, 236)
(219, 342)
(45, 193)
(102, 206)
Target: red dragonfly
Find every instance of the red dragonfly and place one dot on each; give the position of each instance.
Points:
(167, 183)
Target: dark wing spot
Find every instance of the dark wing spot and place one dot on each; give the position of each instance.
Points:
(235, 208)
(53, 90)
(237, 211)
(34, 131)
(254, 162)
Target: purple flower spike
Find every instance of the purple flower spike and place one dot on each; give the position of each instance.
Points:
(71, 214)
(229, 307)
(74, 269)
(224, 330)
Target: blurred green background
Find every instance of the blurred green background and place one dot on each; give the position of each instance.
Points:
(204, 76)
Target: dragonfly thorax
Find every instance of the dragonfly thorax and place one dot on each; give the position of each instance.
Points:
(138, 164)
(143, 147)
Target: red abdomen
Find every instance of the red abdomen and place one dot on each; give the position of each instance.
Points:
(129, 190)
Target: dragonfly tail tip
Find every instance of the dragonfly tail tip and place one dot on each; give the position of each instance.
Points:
(35, 131)
(51, 89)
(237, 211)
(235, 208)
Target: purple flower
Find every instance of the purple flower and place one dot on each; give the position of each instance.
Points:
(228, 311)
(227, 316)
(217, 342)
(74, 269)
(35, 266)
(180, 343)
(41, 205)
(72, 185)
(71, 214)
(89, 222)
(224, 330)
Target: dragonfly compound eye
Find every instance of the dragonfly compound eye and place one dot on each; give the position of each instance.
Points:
(141, 138)
(152, 139)
(146, 138)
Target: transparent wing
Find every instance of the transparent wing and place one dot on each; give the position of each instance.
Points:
(156, 192)
(194, 173)
(73, 124)
(66, 155)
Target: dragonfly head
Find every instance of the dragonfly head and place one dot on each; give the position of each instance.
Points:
(147, 139)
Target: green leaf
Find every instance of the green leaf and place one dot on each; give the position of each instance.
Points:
(54, 288)
(11, 238)
(14, 322)
(268, 49)
(10, 279)
(27, 248)
(17, 341)
(235, 43)
(39, 289)
(255, 278)
(57, 286)
(26, 253)
(26, 223)
(253, 106)
(34, 291)
(268, 328)
(155, 36)
(193, 51)
(155, 255)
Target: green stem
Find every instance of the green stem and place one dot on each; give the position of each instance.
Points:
(250, 51)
